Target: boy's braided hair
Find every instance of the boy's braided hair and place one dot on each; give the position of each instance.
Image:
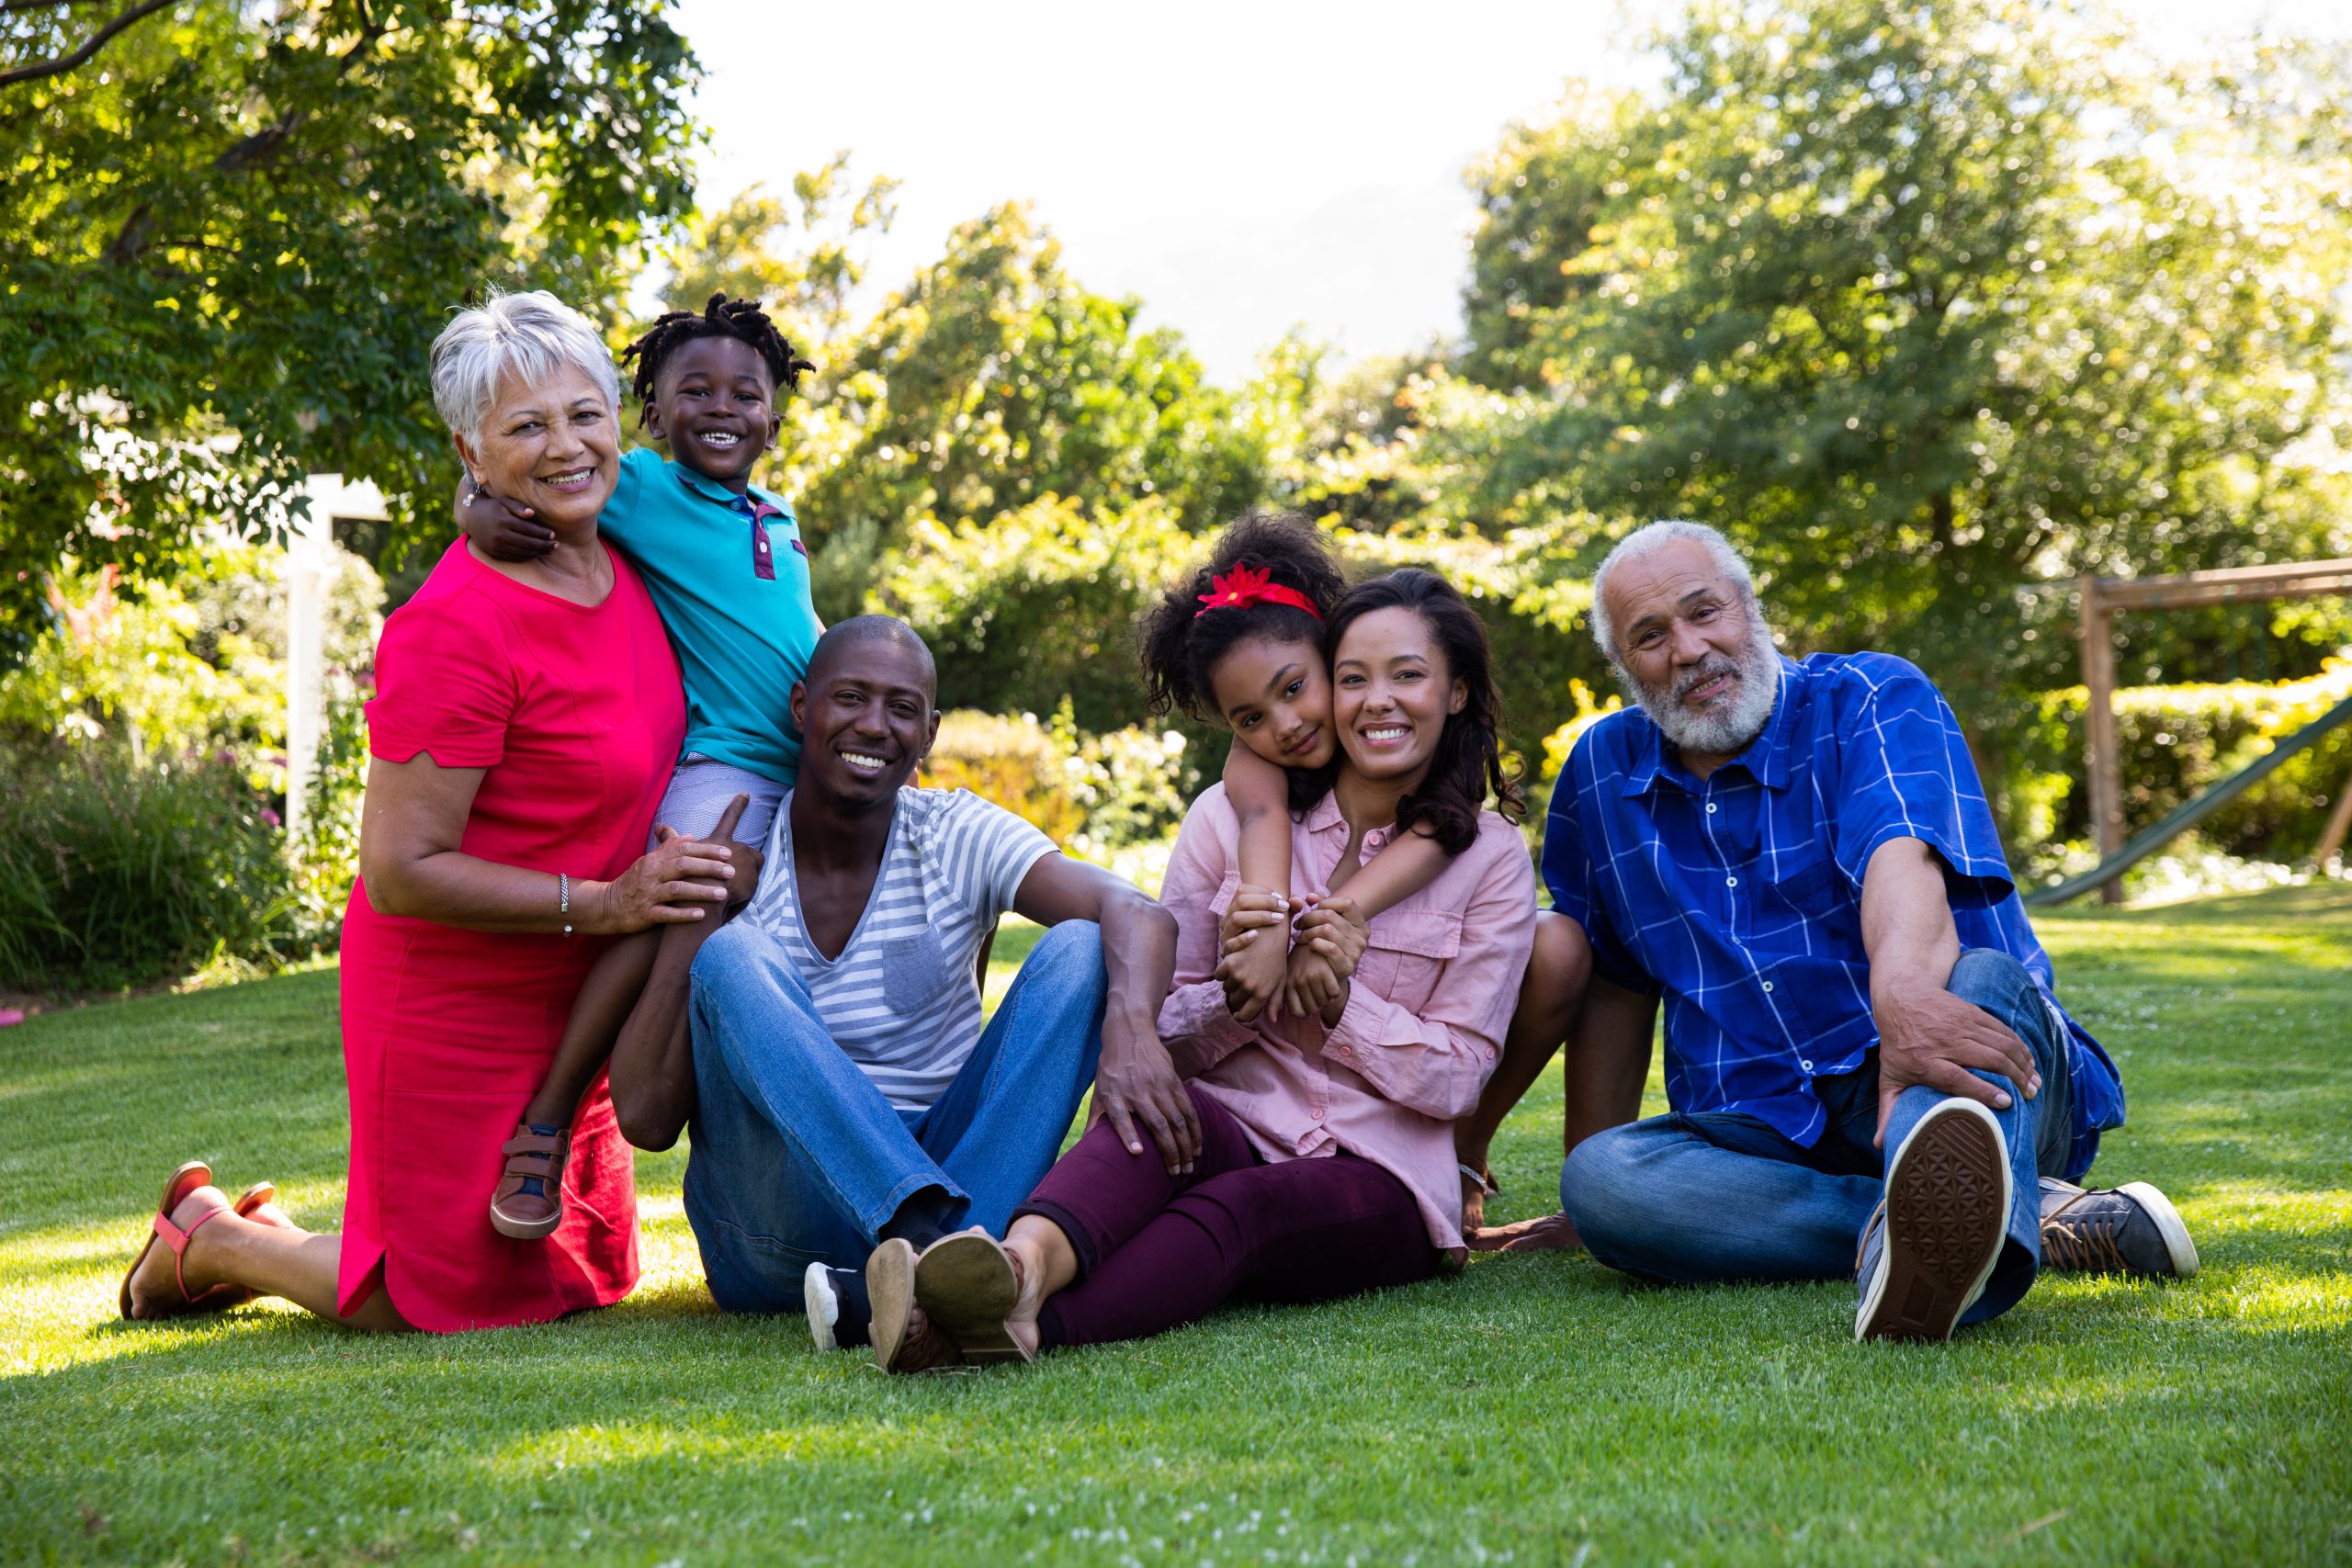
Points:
(722, 317)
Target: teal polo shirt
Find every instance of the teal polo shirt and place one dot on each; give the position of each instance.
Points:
(730, 577)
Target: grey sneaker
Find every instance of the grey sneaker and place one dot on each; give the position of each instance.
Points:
(1929, 1251)
(2130, 1229)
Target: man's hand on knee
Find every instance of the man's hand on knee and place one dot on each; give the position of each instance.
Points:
(1928, 1036)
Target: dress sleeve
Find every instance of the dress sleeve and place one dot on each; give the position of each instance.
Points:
(446, 685)
(1906, 773)
(1194, 1023)
(1569, 870)
(1437, 1060)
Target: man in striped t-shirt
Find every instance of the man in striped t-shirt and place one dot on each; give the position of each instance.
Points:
(842, 1089)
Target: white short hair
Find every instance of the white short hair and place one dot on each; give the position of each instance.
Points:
(1649, 540)
(530, 336)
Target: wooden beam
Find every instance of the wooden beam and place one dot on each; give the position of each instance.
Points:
(2103, 767)
(2228, 586)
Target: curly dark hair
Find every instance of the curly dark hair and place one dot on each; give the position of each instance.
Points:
(1467, 765)
(1180, 645)
(740, 318)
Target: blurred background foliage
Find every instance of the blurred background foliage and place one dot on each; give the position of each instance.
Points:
(1933, 308)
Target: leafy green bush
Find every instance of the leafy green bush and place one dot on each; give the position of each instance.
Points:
(113, 875)
(1014, 761)
(2175, 741)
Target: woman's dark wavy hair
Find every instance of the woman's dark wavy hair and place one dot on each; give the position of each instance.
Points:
(1181, 647)
(1467, 765)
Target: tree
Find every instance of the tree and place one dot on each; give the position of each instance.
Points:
(804, 260)
(1922, 303)
(231, 233)
(992, 382)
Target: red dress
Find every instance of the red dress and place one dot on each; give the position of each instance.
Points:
(577, 714)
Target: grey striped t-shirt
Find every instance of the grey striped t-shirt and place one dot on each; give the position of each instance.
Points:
(902, 1000)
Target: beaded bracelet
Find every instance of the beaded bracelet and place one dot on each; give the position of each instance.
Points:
(564, 893)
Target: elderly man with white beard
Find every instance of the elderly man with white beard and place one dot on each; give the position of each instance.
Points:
(1868, 1070)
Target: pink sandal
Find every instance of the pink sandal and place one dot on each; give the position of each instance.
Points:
(220, 1298)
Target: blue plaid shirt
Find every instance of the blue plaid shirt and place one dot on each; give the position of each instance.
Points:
(1740, 896)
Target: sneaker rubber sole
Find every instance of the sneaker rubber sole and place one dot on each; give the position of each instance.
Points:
(1948, 1197)
(2159, 1208)
(824, 1303)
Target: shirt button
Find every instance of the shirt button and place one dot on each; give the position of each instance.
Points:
(1731, 882)
(1710, 808)
(1768, 988)
(1805, 1065)
(1318, 1111)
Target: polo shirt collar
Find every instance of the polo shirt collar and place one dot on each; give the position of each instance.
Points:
(1766, 757)
(705, 486)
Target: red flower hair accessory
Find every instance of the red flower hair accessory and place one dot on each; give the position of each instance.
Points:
(1245, 586)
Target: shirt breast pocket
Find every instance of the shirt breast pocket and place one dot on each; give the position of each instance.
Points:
(1808, 908)
(1407, 950)
(916, 972)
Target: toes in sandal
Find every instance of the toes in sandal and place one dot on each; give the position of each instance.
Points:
(259, 1204)
(528, 1203)
(176, 1188)
(967, 1285)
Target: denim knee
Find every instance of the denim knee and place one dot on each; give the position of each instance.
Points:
(2002, 987)
(1075, 945)
(1599, 1191)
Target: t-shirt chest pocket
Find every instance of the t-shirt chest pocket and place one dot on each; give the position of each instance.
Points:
(1407, 950)
(916, 971)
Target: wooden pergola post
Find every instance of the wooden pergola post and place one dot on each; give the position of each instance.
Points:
(2102, 767)
(2102, 596)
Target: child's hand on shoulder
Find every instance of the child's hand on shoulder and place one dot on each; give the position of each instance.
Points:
(503, 530)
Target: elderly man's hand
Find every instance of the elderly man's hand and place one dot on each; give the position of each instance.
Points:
(1928, 1036)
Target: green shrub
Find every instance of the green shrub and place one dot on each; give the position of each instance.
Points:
(1014, 761)
(114, 876)
(2174, 742)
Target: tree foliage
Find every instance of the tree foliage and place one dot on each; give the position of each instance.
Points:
(228, 234)
(1923, 303)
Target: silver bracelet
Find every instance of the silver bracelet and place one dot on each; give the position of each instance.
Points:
(564, 893)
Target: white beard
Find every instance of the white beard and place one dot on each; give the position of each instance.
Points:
(1734, 720)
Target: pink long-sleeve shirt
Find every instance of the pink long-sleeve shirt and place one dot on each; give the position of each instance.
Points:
(1425, 1016)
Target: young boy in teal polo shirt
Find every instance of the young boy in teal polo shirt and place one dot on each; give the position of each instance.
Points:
(725, 566)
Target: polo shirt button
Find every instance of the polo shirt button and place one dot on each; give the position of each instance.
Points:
(1731, 882)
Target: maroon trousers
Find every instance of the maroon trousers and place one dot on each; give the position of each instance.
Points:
(1156, 1251)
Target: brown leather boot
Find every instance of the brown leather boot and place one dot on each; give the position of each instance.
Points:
(533, 1158)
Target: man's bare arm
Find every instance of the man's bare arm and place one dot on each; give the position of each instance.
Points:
(1136, 1083)
(1926, 1035)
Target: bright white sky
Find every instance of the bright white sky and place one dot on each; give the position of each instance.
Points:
(1242, 167)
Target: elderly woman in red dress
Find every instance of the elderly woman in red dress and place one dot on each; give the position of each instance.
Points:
(527, 715)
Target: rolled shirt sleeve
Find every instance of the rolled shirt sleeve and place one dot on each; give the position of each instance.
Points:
(1194, 1023)
(1907, 774)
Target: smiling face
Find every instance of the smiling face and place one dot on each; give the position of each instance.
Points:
(715, 406)
(1392, 694)
(554, 447)
(867, 716)
(1692, 649)
(1277, 697)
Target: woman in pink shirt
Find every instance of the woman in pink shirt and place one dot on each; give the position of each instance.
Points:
(1326, 1161)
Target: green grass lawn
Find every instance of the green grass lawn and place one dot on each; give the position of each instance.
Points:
(1533, 1410)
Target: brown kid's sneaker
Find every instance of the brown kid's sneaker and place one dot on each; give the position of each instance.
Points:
(2132, 1229)
(528, 1203)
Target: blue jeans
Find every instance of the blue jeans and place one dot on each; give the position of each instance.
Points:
(799, 1158)
(1712, 1196)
